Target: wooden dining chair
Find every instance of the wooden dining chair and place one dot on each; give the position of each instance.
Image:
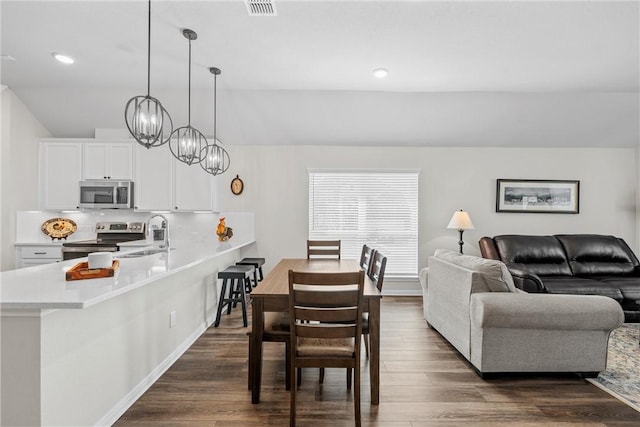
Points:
(325, 314)
(366, 256)
(376, 274)
(323, 249)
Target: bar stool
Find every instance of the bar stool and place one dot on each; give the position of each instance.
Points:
(235, 278)
(257, 263)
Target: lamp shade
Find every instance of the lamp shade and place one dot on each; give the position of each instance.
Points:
(461, 221)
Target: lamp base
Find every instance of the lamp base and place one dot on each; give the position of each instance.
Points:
(461, 242)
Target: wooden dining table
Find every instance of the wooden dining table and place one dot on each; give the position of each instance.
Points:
(272, 295)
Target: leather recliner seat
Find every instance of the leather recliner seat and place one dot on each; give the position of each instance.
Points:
(581, 264)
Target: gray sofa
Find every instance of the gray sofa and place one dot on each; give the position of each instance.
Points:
(473, 303)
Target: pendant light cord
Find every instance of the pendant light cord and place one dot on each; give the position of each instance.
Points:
(215, 107)
(189, 116)
(149, 52)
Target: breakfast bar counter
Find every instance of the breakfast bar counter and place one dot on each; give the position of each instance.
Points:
(81, 352)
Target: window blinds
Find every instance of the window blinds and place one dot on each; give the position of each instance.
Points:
(377, 208)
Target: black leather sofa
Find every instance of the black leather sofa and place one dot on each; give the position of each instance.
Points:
(585, 264)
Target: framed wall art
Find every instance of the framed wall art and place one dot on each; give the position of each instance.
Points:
(537, 195)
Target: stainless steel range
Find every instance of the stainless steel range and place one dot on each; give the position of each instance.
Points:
(109, 234)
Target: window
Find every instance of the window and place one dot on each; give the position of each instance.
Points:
(379, 208)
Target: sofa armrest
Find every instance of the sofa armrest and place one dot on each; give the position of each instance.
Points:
(423, 276)
(528, 282)
(545, 311)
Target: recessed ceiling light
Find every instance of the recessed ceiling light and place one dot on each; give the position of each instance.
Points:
(63, 58)
(380, 73)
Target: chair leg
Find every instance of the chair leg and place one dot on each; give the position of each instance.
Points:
(233, 295)
(349, 375)
(366, 344)
(221, 303)
(287, 362)
(299, 375)
(249, 384)
(243, 302)
(292, 396)
(356, 394)
(321, 379)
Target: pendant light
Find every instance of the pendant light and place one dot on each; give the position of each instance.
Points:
(147, 120)
(188, 144)
(216, 158)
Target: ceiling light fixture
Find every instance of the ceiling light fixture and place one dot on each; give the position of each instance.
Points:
(216, 159)
(147, 120)
(380, 73)
(65, 59)
(188, 144)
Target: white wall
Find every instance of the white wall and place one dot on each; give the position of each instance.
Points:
(19, 171)
(276, 189)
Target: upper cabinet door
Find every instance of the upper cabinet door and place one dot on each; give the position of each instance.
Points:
(108, 160)
(193, 188)
(153, 185)
(94, 162)
(60, 175)
(121, 160)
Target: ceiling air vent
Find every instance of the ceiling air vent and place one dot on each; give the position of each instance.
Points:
(261, 7)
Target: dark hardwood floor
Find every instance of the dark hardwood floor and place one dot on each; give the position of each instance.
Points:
(424, 383)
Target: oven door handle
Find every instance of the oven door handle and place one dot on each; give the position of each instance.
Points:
(86, 249)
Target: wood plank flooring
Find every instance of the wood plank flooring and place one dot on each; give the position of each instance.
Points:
(424, 382)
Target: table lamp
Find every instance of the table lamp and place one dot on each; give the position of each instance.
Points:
(460, 221)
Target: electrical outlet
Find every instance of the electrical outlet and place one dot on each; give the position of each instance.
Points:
(172, 319)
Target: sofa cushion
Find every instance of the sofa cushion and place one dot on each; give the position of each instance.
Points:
(629, 286)
(591, 254)
(581, 286)
(494, 273)
(541, 255)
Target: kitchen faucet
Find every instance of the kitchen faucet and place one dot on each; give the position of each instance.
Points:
(162, 233)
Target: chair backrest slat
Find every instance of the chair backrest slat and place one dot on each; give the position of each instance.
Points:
(323, 249)
(343, 315)
(310, 330)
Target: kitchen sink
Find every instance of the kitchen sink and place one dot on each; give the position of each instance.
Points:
(145, 252)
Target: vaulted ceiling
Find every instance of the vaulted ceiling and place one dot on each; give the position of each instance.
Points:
(461, 73)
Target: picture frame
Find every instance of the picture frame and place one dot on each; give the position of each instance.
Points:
(537, 196)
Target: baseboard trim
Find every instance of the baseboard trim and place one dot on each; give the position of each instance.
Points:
(403, 293)
(129, 399)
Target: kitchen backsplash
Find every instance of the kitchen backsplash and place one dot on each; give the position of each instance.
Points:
(183, 226)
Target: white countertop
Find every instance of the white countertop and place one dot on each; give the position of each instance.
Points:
(45, 287)
(56, 243)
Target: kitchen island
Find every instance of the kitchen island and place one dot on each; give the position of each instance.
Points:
(81, 352)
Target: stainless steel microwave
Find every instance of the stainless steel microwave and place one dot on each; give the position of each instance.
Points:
(106, 194)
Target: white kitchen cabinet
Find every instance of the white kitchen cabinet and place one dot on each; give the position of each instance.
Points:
(153, 184)
(108, 160)
(60, 174)
(194, 189)
(28, 255)
(162, 183)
